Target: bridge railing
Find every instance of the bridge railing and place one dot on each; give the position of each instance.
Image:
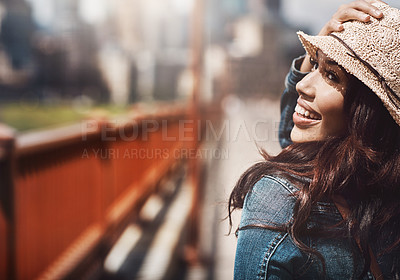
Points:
(67, 193)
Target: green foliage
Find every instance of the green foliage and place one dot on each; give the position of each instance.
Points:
(29, 116)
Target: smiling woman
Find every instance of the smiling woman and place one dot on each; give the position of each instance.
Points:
(319, 110)
(328, 206)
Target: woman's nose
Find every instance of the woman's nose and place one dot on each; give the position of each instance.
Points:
(306, 87)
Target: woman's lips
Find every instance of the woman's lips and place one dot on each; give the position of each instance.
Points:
(302, 121)
(305, 116)
(306, 112)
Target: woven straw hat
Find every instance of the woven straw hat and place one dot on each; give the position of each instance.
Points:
(369, 51)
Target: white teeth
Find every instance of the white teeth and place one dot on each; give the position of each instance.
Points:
(297, 108)
(305, 113)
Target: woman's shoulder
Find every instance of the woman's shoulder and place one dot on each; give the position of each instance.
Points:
(275, 183)
(270, 201)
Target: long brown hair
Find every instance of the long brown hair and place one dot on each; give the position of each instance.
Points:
(363, 166)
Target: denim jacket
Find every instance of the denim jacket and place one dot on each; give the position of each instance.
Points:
(270, 254)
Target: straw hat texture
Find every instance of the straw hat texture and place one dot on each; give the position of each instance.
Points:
(362, 46)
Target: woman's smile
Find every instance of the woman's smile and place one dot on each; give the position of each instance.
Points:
(319, 110)
(304, 116)
(305, 113)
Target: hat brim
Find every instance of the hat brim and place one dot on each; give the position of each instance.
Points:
(336, 51)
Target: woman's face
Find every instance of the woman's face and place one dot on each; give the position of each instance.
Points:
(319, 110)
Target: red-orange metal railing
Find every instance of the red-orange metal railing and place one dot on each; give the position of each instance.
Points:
(65, 193)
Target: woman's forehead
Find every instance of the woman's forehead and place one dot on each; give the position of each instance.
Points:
(320, 55)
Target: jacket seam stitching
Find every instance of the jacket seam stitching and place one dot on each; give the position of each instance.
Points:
(271, 250)
(284, 184)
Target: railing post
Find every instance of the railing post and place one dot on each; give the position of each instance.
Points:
(7, 215)
(197, 46)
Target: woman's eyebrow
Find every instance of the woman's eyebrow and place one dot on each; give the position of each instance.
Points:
(327, 60)
(335, 64)
(331, 62)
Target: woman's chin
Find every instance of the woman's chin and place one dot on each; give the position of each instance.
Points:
(299, 135)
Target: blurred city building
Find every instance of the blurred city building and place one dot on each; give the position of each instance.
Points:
(125, 51)
(116, 51)
(136, 50)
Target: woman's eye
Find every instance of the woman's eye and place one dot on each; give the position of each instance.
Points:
(314, 64)
(332, 76)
